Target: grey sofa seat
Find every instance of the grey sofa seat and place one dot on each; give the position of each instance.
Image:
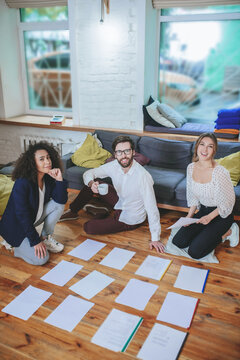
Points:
(165, 181)
(168, 163)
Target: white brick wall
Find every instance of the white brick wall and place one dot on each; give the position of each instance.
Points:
(10, 144)
(109, 76)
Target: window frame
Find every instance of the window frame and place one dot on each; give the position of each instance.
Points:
(189, 18)
(39, 26)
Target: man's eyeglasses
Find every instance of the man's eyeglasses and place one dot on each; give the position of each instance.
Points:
(120, 152)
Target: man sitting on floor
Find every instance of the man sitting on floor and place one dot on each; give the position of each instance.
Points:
(132, 195)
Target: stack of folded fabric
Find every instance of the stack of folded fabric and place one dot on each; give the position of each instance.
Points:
(228, 121)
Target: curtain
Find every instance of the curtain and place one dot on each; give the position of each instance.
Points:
(163, 4)
(33, 3)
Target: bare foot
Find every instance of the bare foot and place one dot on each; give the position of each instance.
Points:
(228, 233)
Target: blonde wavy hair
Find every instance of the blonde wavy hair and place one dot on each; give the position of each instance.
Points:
(208, 135)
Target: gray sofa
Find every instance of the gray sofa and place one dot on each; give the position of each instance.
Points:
(168, 163)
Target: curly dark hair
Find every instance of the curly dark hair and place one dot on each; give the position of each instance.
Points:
(25, 166)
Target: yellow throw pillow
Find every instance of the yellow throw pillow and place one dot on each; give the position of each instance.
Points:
(6, 185)
(90, 155)
(232, 164)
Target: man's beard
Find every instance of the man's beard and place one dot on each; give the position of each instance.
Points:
(126, 164)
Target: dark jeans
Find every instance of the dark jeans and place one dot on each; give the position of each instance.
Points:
(109, 225)
(202, 239)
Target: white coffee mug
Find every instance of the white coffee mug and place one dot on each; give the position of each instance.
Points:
(103, 189)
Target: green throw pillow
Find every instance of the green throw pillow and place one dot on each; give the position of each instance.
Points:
(90, 155)
(232, 164)
(6, 185)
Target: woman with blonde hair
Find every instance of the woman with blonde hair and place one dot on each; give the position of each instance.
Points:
(209, 190)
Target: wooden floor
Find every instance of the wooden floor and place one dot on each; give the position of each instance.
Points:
(214, 333)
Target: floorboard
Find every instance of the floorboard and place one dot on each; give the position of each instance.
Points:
(214, 332)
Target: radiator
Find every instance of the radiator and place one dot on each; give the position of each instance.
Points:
(26, 140)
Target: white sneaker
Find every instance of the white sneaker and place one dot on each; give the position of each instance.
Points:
(52, 245)
(7, 245)
(234, 237)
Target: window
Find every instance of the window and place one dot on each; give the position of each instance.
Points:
(46, 58)
(199, 65)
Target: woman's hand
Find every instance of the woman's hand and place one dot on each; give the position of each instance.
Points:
(204, 220)
(156, 245)
(56, 174)
(40, 250)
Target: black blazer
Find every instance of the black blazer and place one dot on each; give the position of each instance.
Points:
(21, 211)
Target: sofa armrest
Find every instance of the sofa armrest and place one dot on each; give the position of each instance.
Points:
(67, 162)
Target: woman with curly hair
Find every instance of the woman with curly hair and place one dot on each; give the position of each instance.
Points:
(210, 190)
(38, 196)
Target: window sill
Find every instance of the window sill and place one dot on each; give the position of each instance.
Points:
(43, 122)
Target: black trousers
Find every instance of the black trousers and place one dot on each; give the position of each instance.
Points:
(202, 239)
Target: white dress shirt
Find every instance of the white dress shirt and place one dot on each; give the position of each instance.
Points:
(135, 192)
(218, 192)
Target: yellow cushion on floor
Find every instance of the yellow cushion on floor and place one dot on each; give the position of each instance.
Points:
(6, 185)
(90, 155)
(232, 164)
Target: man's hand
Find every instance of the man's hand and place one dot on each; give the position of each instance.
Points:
(56, 174)
(156, 245)
(40, 250)
(94, 186)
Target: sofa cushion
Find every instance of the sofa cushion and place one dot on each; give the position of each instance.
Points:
(107, 138)
(148, 120)
(165, 181)
(180, 191)
(6, 185)
(225, 149)
(232, 164)
(236, 209)
(74, 175)
(153, 111)
(172, 115)
(90, 154)
(167, 154)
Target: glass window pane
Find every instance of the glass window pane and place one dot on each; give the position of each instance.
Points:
(200, 67)
(56, 13)
(48, 69)
(201, 10)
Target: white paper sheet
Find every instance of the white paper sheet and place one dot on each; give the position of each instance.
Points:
(178, 309)
(191, 278)
(182, 222)
(62, 273)
(117, 258)
(117, 330)
(153, 267)
(136, 294)
(87, 249)
(68, 314)
(91, 284)
(25, 304)
(162, 343)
